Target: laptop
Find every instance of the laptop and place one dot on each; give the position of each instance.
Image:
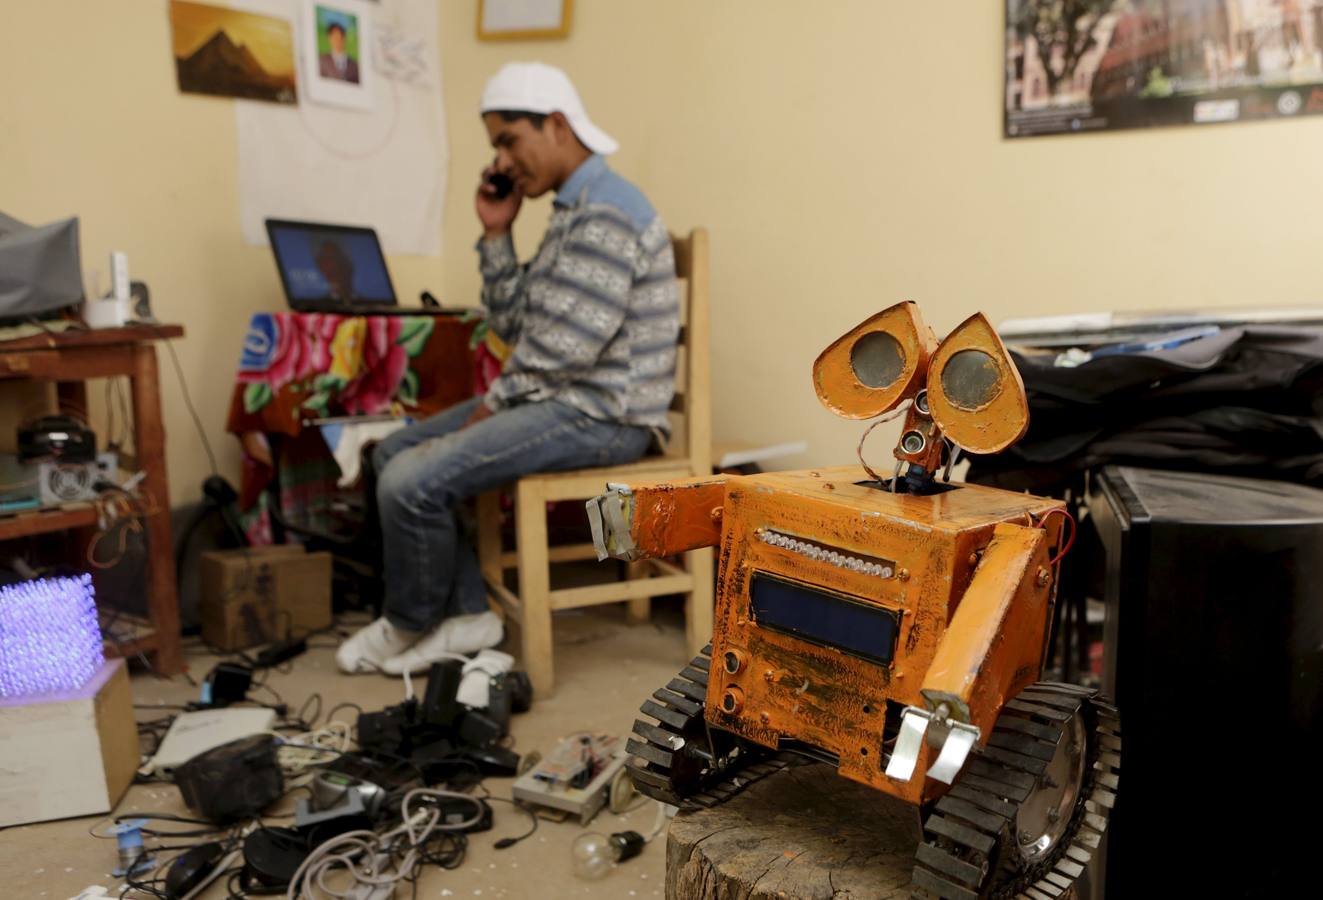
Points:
(335, 269)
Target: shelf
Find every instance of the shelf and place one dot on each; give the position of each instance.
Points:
(41, 521)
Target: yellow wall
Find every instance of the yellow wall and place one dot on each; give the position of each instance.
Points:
(845, 155)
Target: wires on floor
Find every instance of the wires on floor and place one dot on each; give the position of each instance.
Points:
(371, 860)
(297, 754)
(505, 842)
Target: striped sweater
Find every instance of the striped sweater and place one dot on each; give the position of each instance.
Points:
(594, 317)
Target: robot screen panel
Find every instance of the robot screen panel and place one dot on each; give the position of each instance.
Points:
(822, 617)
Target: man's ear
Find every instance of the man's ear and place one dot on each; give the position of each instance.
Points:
(562, 134)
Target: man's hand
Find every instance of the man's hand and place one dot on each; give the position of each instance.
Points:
(496, 215)
(480, 412)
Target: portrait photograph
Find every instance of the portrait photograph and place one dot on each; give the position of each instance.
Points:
(335, 44)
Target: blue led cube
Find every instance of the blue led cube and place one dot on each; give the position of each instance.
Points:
(49, 637)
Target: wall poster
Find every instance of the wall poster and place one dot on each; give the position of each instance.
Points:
(1091, 65)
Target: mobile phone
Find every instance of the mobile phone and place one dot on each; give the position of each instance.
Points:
(503, 184)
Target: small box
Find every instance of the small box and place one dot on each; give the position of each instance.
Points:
(257, 595)
(70, 753)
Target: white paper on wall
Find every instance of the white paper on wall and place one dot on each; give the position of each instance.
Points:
(384, 166)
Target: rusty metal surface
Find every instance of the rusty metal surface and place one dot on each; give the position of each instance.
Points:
(837, 371)
(994, 643)
(798, 690)
(974, 390)
(674, 517)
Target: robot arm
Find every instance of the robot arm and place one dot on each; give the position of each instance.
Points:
(991, 649)
(646, 521)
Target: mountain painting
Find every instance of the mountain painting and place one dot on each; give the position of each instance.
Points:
(228, 53)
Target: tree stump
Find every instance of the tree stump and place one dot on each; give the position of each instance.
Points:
(804, 833)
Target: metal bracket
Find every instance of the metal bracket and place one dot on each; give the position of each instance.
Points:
(960, 740)
(608, 518)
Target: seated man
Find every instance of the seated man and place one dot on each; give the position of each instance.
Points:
(593, 321)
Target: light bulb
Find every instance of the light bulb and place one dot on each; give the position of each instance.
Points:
(594, 854)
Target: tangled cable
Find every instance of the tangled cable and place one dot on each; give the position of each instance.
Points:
(378, 860)
(869, 430)
(1070, 542)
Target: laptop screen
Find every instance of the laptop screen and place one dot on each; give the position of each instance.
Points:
(326, 265)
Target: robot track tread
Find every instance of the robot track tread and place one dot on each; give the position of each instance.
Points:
(666, 765)
(969, 833)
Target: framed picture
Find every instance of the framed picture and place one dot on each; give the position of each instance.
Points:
(230, 53)
(335, 46)
(523, 20)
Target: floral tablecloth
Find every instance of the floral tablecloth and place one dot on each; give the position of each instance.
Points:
(296, 367)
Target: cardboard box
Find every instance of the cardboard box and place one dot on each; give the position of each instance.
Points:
(71, 753)
(257, 595)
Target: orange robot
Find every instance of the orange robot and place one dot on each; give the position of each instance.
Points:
(895, 628)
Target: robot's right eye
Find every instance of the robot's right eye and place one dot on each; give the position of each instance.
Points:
(876, 365)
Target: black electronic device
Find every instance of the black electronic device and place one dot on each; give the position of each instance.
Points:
(61, 438)
(279, 652)
(1213, 623)
(331, 268)
(478, 729)
(192, 868)
(233, 781)
(388, 732)
(226, 683)
(500, 762)
(455, 810)
(391, 775)
(439, 704)
(502, 185)
(271, 857)
(521, 691)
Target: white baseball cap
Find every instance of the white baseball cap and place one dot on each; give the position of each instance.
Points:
(539, 88)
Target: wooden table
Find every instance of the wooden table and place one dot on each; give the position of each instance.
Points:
(69, 359)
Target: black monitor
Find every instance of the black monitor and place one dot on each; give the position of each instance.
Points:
(1213, 651)
(329, 267)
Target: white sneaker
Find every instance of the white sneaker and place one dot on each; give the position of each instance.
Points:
(373, 646)
(458, 634)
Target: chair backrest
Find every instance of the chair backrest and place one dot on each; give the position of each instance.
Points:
(691, 410)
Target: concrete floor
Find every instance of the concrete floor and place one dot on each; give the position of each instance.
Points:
(605, 668)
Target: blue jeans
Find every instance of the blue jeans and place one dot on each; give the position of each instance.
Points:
(427, 470)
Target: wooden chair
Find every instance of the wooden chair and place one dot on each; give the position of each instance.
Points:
(689, 454)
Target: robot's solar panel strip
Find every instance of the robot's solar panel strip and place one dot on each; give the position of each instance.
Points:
(833, 620)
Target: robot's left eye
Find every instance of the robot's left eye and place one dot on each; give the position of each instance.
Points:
(974, 390)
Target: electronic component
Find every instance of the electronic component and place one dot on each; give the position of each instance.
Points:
(439, 704)
(232, 781)
(193, 868)
(271, 857)
(331, 789)
(119, 275)
(60, 437)
(227, 683)
(502, 185)
(281, 651)
(578, 776)
(193, 733)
